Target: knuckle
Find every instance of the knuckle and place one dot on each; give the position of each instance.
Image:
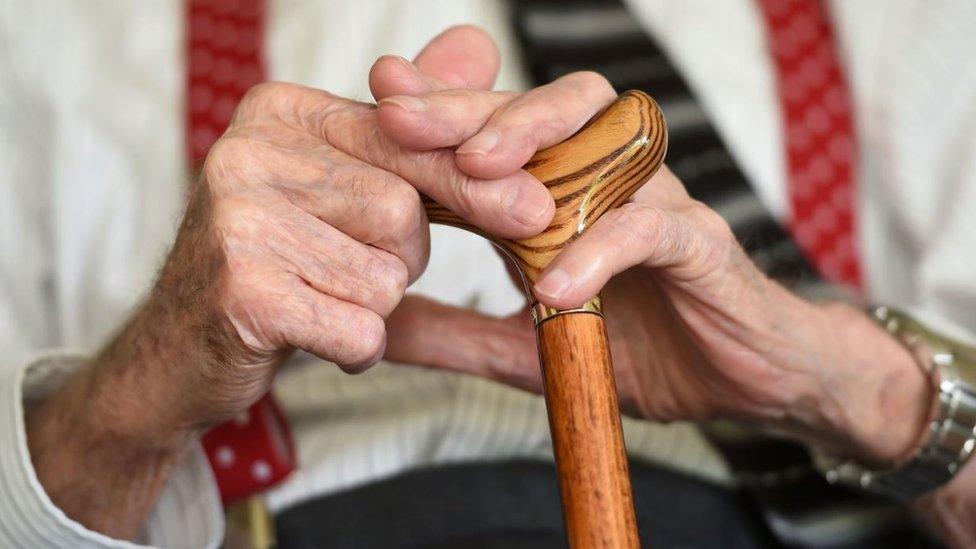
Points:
(235, 217)
(291, 103)
(230, 158)
(267, 94)
(366, 344)
(353, 128)
(388, 283)
(662, 232)
(692, 236)
(399, 210)
(638, 222)
(243, 301)
(458, 189)
(465, 198)
(319, 269)
(399, 278)
(715, 237)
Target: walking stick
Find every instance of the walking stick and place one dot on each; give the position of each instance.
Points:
(597, 169)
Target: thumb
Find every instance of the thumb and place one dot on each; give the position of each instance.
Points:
(463, 56)
(424, 332)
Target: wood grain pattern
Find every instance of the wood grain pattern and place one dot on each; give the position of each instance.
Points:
(597, 169)
(587, 440)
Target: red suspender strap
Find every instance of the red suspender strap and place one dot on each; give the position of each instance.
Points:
(821, 152)
(223, 60)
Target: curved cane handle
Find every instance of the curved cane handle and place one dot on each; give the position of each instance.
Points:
(597, 169)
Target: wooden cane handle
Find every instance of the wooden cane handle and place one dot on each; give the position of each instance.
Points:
(597, 169)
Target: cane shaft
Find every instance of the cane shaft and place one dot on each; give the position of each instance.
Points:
(587, 439)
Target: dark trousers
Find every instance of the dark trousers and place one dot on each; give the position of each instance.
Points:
(512, 505)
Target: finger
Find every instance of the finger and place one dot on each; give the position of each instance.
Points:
(673, 240)
(441, 119)
(538, 119)
(423, 332)
(349, 335)
(371, 205)
(514, 206)
(393, 75)
(463, 56)
(498, 131)
(327, 260)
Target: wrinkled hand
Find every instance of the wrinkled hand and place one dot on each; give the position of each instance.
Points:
(697, 332)
(306, 226)
(303, 232)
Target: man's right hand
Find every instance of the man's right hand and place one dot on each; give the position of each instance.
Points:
(303, 231)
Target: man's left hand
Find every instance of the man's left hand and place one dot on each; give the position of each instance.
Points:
(698, 331)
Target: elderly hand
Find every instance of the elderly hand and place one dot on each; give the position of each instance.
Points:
(697, 332)
(302, 232)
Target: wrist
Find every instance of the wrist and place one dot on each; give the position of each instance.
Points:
(869, 401)
(102, 473)
(141, 383)
(85, 413)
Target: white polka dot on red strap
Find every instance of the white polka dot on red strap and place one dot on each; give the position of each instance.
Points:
(225, 456)
(261, 471)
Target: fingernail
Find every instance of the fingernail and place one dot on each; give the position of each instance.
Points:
(482, 143)
(406, 102)
(525, 209)
(554, 284)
